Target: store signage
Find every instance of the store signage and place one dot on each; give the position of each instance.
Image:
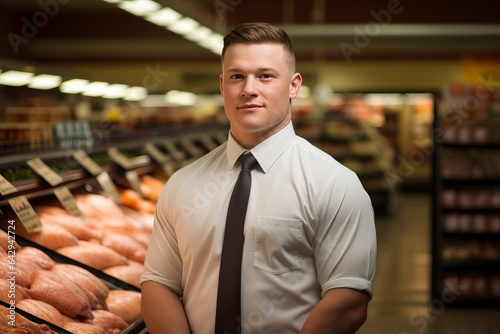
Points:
(67, 200)
(45, 171)
(86, 162)
(26, 213)
(6, 187)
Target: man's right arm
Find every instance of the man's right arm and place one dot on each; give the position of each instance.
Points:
(162, 310)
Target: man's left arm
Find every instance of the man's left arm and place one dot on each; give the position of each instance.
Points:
(341, 311)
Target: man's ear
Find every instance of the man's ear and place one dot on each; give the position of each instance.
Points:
(295, 85)
(221, 86)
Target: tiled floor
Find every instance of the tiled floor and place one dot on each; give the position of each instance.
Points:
(401, 302)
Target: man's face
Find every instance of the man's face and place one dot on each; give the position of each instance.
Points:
(257, 84)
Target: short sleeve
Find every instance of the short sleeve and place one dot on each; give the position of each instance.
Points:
(345, 241)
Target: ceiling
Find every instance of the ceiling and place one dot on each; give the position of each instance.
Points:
(98, 41)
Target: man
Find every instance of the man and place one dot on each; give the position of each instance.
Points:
(309, 237)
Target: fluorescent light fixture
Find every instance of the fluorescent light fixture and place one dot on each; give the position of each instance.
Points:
(95, 88)
(214, 42)
(73, 86)
(15, 78)
(45, 81)
(164, 17)
(115, 91)
(199, 34)
(136, 93)
(181, 98)
(139, 7)
(184, 26)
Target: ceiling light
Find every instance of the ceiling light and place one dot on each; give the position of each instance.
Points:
(73, 86)
(15, 78)
(164, 17)
(139, 7)
(136, 93)
(95, 88)
(184, 26)
(214, 42)
(199, 34)
(115, 91)
(45, 81)
(112, 1)
(181, 98)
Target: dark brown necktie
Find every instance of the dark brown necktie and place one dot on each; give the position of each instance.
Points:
(228, 313)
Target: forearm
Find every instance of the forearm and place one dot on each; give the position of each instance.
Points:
(342, 311)
(162, 310)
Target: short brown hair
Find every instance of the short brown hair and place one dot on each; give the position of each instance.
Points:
(260, 33)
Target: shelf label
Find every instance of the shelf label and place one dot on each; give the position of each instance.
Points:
(119, 158)
(188, 144)
(109, 187)
(6, 187)
(155, 153)
(135, 182)
(169, 168)
(68, 201)
(26, 213)
(125, 162)
(174, 152)
(87, 162)
(208, 142)
(44, 171)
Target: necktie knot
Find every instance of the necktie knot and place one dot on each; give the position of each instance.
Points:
(248, 161)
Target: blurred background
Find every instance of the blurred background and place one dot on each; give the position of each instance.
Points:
(405, 93)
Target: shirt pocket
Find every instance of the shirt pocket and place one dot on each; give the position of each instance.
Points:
(277, 242)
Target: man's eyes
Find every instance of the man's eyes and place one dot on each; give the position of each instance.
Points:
(261, 76)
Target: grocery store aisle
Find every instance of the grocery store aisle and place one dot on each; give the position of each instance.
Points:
(401, 302)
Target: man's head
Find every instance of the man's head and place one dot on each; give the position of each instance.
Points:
(258, 81)
(260, 33)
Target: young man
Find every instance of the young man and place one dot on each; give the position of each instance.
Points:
(309, 237)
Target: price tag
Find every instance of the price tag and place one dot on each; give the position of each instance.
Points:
(6, 187)
(208, 142)
(135, 182)
(119, 158)
(87, 163)
(44, 171)
(174, 152)
(191, 147)
(125, 162)
(155, 153)
(26, 213)
(169, 168)
(109, 187)
(68, 201)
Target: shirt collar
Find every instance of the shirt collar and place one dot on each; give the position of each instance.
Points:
(267, 152)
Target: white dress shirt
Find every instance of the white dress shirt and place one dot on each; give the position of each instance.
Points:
(309, 228)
